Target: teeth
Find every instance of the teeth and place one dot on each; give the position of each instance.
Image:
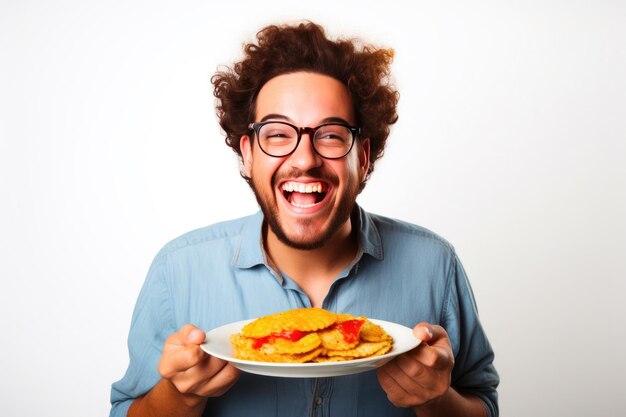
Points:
(303, 205)
(302, 188)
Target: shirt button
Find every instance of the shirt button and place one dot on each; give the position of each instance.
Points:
(319, 400)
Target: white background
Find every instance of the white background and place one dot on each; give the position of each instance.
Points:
(511, 144)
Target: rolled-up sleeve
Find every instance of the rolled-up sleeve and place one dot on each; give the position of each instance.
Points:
(151, 324)
(474, 372)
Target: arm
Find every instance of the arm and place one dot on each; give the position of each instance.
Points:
(420, 379)
(189, 378)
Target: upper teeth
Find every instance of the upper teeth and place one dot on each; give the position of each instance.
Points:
(302, 188)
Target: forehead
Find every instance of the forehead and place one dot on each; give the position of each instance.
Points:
(304, 98)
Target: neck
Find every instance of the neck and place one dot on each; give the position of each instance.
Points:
(314, 270)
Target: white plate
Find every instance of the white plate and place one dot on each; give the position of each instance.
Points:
(217, 343)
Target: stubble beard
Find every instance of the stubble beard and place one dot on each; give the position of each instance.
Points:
(338, 218)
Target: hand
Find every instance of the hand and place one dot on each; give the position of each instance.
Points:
(423, 374)
(190, 369)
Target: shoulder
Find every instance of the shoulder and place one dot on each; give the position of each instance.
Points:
(217, 233)
(392, 230)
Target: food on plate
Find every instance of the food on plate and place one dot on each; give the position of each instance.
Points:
(299, 319)
(310, 335)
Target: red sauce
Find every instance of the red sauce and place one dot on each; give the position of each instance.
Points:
(260, 341)
(350, 329)
(291, 335)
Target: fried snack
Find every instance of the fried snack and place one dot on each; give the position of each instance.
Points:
(371, 332)
(301, 319)
(364, 349)
(333, 339)
(244, 350)
(384, 350)
(310, 335)
(344, 335)
(324, 359)
(305, 344)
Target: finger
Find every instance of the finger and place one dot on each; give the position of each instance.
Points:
(440, 338)
(220, 382)
(407, 382)
(196, 337)
(210, 367)
(417, 375)
(388, 382)
(180, 360)
(407, 372)
(433, 357)
(207, 379)
(432, 335)
(424, 332)
(190, 334)
(400, 389)
(196, 376)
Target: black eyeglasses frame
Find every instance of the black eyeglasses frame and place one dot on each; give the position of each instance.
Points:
(256, 127)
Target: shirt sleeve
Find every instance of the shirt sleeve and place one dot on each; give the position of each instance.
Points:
(151, 324)
(474, 372)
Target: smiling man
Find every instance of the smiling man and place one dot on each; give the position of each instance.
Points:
(309, 117)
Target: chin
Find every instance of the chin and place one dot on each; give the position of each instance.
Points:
(298, 241)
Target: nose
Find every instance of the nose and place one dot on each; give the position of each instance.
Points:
(305, 157)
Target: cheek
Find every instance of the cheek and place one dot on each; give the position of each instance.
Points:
(350, 170)
(263, 171)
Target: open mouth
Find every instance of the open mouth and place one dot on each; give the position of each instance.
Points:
(304, 195)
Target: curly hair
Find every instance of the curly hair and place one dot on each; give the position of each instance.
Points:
(363, 69)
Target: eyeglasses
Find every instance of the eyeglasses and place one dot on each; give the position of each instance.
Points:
(330, 140)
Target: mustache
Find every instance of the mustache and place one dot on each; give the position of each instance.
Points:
(315, 173)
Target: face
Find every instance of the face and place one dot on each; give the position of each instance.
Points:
(305, 198)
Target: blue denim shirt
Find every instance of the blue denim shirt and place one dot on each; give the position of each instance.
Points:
(216, 275)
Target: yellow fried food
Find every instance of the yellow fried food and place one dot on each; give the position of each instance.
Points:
(324, 359)
(244, 349)
(310, 335)
(333, 339)
(362, 350)
(302, 319)
(306, 344)
(344, 317)
(382, 351)
(371, 332)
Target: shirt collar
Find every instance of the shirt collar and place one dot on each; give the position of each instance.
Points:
(369, 238)
(251, 253)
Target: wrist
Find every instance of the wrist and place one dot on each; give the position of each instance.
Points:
(452, 403)
(431, 407)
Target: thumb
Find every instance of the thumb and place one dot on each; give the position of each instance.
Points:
(195, 336)
(423, 332)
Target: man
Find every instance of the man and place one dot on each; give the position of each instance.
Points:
(309, 117)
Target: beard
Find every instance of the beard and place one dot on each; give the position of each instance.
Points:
(311, 239)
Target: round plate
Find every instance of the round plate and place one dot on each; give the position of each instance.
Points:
(217, 343)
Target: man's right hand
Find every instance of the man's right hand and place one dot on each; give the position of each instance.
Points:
(190, 369)
(189, 377)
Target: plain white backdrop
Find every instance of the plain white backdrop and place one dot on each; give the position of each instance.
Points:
(511, 144)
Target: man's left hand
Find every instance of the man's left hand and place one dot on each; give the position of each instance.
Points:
(423, 374)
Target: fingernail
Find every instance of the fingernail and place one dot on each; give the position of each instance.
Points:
(196, 334)
(430, 333)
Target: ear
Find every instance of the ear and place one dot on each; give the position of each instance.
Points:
(364, 158)
(245, 143)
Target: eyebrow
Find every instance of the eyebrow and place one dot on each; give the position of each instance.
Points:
(276, 116)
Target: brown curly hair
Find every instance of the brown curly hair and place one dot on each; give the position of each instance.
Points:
(364, 69)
